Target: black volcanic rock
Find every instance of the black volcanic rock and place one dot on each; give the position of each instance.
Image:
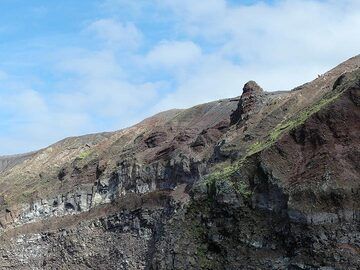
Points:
(252, 87)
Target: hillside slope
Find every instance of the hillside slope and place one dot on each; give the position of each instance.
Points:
(268, 180)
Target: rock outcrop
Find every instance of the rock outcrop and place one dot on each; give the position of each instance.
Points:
(250, 101)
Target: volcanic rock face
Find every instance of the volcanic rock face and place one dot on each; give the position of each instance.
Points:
(250, 100)
(270, 182)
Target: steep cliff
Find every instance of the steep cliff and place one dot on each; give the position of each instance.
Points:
(268, 180)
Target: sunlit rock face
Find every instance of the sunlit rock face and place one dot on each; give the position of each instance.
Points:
(7, 162)
(264, 181)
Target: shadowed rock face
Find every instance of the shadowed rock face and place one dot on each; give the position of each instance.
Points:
(252, 87)
(265, 181)
(250, 102)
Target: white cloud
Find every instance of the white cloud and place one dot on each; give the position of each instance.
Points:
(280, 46)
(196, 11)
(116, 34)
(295, 35)
(95, 96)
(213, 79)
(33, 123)
(24, 102)
(90, 64)
(173, 54)
(99, 85)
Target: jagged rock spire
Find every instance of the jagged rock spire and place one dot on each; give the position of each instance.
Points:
(252, 87)
(248, 101)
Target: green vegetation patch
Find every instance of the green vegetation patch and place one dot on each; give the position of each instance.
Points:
(301, 117)
(84, 154)
(227, 176)
(292, 123)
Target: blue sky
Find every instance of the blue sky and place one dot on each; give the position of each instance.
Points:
(76, 67)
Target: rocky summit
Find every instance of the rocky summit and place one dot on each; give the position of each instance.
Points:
(267, 180)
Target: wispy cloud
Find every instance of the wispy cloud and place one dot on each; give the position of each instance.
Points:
(117, 34)
(281, 45)
(173, 54)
